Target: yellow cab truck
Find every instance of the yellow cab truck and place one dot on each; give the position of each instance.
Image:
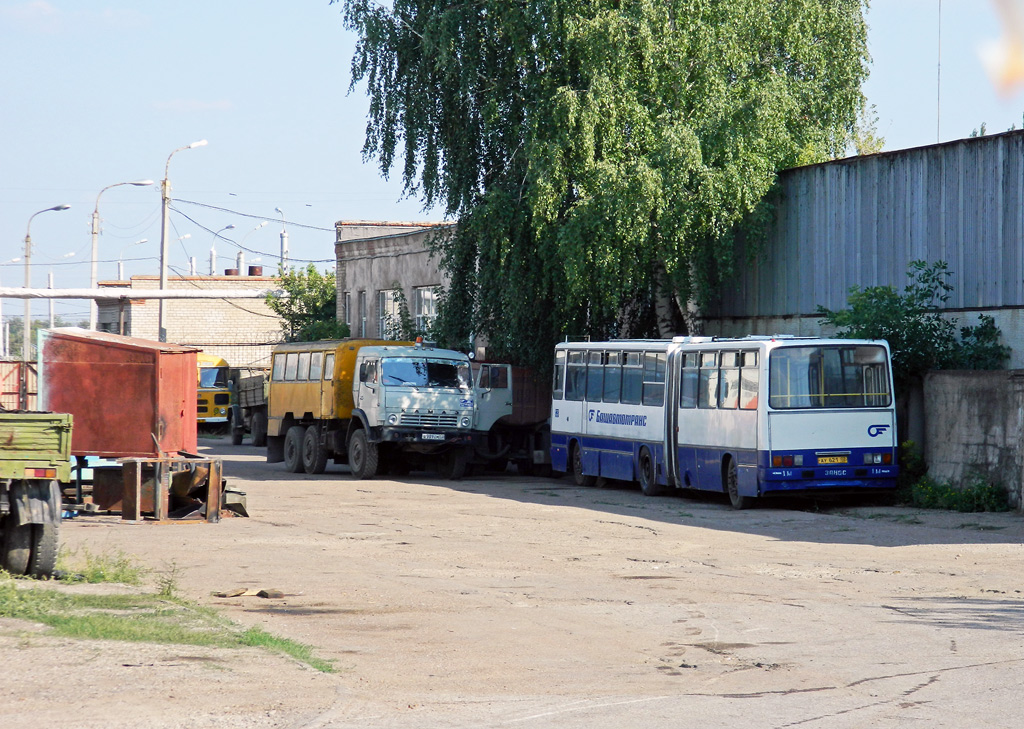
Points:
(380, 406)
(213, 396)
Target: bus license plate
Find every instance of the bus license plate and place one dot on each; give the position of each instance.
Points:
(831, 459)
(433, 436)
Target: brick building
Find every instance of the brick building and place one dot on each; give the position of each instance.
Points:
(242, 331)
(374, 260)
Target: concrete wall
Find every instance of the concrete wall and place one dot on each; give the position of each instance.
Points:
(974, 424)
(242, 331)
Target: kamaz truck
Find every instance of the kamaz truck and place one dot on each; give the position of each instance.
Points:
(379, 406)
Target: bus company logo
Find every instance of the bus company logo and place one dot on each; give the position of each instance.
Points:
(876, 430)
(617, 418)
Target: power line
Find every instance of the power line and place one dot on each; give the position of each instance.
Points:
(248, 215)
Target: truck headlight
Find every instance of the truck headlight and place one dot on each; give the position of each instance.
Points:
(464, 422)
(393, 419)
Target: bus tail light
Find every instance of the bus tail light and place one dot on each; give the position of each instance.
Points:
(787, 461)
(878, 458)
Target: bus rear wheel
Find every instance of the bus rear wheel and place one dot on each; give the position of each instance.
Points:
(732, 486)
(648, 479)
(578, 476)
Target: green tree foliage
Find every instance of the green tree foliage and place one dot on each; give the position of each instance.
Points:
(598, 155)
(920, 337)
(309, 308)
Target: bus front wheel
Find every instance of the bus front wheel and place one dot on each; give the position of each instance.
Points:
(732, 486)
(578, 476)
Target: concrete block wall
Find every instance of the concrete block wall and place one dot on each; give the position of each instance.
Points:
(974, 424)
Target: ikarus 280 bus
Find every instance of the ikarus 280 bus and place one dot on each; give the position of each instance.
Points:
(750, 417)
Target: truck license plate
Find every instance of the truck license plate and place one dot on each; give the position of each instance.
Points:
(831, 459)
(433, 436)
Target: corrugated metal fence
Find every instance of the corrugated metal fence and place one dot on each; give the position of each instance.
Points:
(10, 384)
(859, 222)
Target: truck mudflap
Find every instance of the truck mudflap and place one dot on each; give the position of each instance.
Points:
(34, 502)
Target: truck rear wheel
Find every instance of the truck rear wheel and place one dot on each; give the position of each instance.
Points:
(363, 456)
(29, 549)
(293, 448)
(259, 428)
(314, 454)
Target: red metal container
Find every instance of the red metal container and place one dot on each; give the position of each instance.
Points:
(130, 397)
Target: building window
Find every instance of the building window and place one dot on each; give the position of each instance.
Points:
(424, 307)
(361, 323)
(346, 309)
(389, 315)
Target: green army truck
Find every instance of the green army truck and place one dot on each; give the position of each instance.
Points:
(35, 452)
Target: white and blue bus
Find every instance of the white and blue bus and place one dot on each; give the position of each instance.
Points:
(749, 417)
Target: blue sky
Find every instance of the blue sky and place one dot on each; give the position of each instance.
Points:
(96, 92)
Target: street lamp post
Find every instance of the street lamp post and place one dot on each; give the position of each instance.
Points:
(120, 263)
(284, 241)
(93, 307)
(213, 248)
(165, 193)
(26, 333)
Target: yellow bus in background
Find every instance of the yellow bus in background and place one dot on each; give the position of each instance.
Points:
(213, 398)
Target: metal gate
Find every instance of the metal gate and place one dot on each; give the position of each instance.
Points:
(12, 397)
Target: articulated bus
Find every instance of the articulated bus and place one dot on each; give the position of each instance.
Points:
(750, 417)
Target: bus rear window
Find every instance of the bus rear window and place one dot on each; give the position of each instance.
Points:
(828, 377)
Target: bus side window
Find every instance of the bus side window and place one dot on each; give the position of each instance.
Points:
(558, 382)
(612, 377)
(654, 378)
(316, 364)
(329, 366)
(291, 366)
(575, 376)
(688, 390)
(278, 374)
(595, 376)
(707, 393)
(750, 377)
(729, 382)
(632, 379)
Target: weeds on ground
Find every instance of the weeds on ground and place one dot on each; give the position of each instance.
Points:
(161, 617)
(916, 488)
(73, 566)
(976, 494)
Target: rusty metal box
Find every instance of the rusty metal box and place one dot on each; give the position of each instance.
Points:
(130, 397)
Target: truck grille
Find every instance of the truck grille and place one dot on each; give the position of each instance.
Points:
(428, 419)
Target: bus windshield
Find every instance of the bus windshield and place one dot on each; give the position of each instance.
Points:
(415, 372)
(835, 376)
(213, 376)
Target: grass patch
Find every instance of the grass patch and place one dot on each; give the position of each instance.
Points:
(84, 566)
(144, 618)
(975, 495)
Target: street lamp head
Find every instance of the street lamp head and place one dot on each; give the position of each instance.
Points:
(59, 207)
(200, 143)
(230, 226)
(184, 237)
(141, 183)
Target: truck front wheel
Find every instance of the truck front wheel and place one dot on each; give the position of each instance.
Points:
(293, 448)
(259, 428)
(362, 455)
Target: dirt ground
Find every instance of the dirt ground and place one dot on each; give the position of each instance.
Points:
(509, 602)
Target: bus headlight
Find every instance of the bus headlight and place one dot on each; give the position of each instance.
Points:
(393, 419)
(464, 422)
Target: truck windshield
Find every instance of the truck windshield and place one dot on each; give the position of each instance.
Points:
(828, 377)
(422, 372)
(213, 376)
